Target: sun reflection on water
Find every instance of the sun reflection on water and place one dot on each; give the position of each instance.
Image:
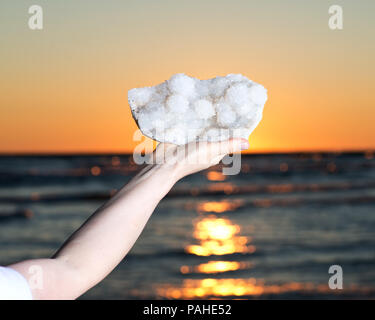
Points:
(216, 267)
(219, 206)
(215, 236)
(218, 236)
(221, 288)
(215, 176)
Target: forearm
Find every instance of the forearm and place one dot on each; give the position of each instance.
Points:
(95, 249)
(113, 229)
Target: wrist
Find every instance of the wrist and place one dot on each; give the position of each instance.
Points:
(169, 171)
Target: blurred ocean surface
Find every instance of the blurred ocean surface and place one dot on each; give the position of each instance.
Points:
(271, 231)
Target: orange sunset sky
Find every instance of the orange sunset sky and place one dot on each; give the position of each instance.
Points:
(64, 88)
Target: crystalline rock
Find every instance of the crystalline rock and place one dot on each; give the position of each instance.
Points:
(184, 109)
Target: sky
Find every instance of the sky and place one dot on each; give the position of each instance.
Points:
(64, 88)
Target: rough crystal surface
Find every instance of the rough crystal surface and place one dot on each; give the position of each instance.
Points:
(184, 109)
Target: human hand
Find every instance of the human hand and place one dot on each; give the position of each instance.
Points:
(195, 156)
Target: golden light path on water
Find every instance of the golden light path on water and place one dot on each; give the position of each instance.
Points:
(215, 176)
(216, 267)
(218, 236)
(231, 287)
(215, 236)
(218, 207)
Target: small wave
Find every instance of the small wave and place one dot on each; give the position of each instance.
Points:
(222, 189)
(16, 214)
(219, 189)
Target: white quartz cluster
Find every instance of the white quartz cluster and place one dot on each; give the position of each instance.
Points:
(184, 109)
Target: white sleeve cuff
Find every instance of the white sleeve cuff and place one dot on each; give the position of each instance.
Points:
(13, 286)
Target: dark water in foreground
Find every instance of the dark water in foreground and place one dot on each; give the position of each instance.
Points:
(270, 232)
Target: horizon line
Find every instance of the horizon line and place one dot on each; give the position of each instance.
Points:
(114, 153)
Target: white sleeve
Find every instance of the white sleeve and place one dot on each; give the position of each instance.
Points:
(13, 286)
